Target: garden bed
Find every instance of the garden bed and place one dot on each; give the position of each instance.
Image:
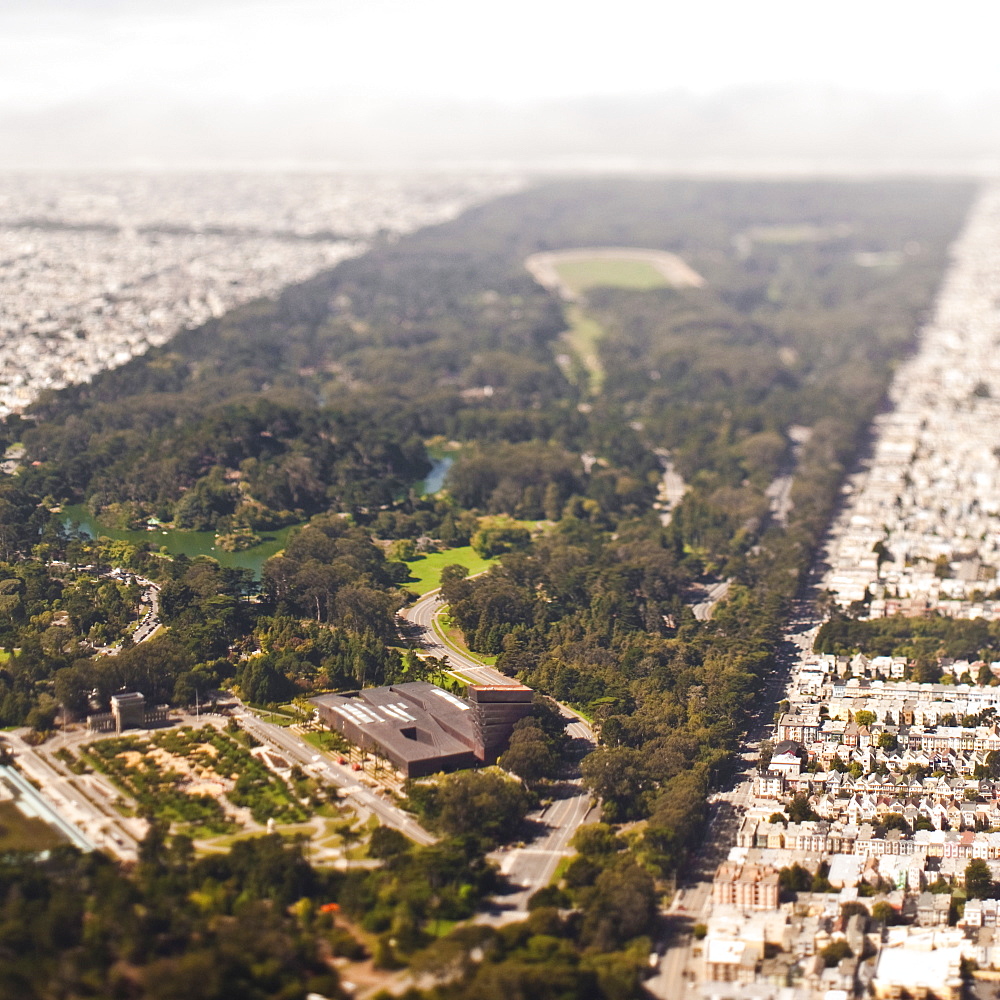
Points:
(197, 778)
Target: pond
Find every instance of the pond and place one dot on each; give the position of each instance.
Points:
(202, 543)
(440, 464)
(188, 543)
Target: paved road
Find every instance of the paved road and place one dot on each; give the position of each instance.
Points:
(532, 866)
(150, 623)
(692, 903)
(703, 610)
(32, 804)
(670, 981)
(291, 745)
(671, 491)
(779, 493)
(423, 615)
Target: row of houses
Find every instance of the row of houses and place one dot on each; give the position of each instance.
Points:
(914, 729)
(894, 667)
(823, 837)
(972, 696)
(784, 778)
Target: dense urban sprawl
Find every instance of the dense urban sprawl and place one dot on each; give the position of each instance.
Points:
(921, 528)
(96, 269)
(868, 851)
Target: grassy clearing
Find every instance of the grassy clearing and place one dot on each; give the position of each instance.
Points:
(441, 928)
(327, 834)
(582, 338)
(502, 520)
(595, 272)
(22, 833)
(577, 275)
(276, 718)
(425, 572)
(280, 715)
(455, 638)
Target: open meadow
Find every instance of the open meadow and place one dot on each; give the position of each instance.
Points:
(425, 571)
(613, 272)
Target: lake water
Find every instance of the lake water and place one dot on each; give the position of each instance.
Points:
(202, 543)
(435, 478)
(188, 543)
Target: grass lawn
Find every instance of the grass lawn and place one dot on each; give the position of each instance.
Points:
(440, 928)
(454, 636)
(21, 833)
(320, 739)
(577, 275)
(276, 718)
(223, 842)
(280, 715)
(425, 573)
(557, 875)
(621, 272)
(502, 520)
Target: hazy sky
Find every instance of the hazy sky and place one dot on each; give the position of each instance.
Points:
(60, 52)
(897, 84)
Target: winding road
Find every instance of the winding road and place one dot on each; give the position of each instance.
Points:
(529, 866)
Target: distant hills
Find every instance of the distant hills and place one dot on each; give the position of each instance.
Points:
(744, 131)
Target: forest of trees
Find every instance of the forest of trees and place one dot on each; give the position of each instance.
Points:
(921, 638)
(315, 408)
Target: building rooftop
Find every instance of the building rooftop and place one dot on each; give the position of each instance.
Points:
(414, 723)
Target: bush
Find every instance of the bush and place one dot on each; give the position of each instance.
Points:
(385, 955)
(499, 539)
(343, 944)
(835, 952)
(581, 872)
(385, 842)
(549, 896)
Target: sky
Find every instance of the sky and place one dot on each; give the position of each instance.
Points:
(353, 58)
(54, 51)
